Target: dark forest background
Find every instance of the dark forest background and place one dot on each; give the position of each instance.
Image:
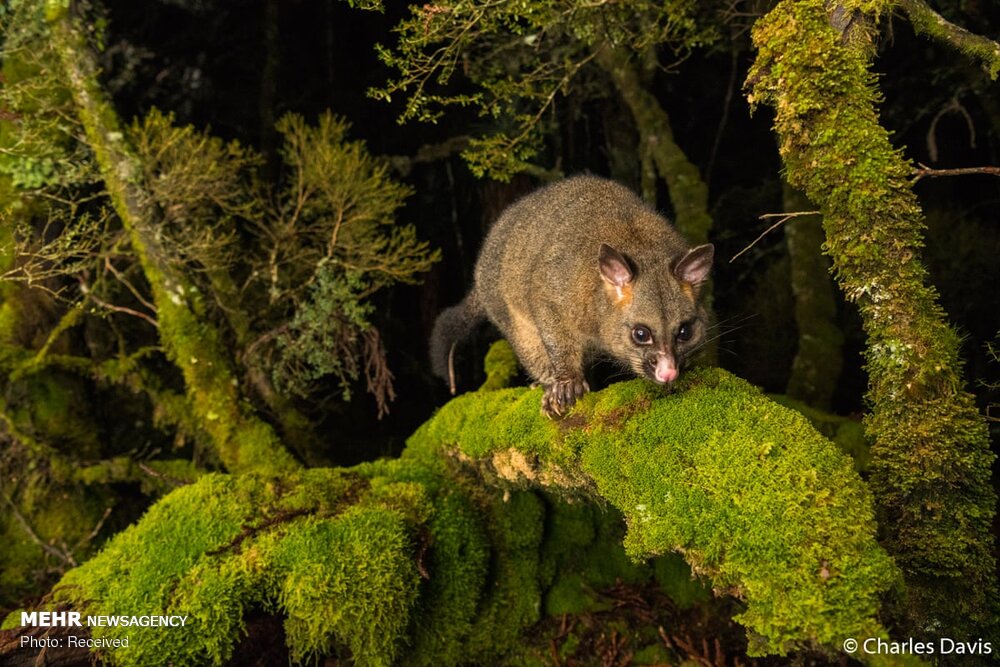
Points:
(206, 62)
(214, 65)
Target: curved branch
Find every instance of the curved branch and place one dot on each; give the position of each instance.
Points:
(419, 553)
(928, 22)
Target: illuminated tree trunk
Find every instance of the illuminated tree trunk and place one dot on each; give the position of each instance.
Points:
(241, 440)
(931, 456)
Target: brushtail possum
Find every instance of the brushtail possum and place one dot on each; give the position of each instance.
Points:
(583, 267)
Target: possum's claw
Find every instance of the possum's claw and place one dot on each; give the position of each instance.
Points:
(562, 395)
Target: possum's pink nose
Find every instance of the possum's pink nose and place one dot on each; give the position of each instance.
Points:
(666, 369)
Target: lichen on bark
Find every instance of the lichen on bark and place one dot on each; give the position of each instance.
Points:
(931, 457)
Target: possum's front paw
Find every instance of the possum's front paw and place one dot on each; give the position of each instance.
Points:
(561, 395)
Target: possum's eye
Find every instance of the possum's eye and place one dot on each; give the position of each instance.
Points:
(684, 332)
(642, 335)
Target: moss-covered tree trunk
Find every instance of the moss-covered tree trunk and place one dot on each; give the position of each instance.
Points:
(240, 439)
(446, 555)
(931, 457)
(818, 359)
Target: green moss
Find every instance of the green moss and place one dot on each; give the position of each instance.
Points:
(351, 580)
(242, 440)
(63, 516)
(334, 560)
(514, 601)
(415, 553)
(504, 409)
(818, 358)
(457, 565)
(654, 654)
(676, 579)
(753, 497)
(360, 563)
(931, 461)
(481, 556)
(927, 22)
(501, 366)
(583, 554)
(56, 409)
(846, 433)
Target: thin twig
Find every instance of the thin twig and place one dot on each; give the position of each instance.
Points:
(109, 306)
(927, 172)
(65, 556)
(131, 288)
(152, 472)
(97, 528)
(785, 217)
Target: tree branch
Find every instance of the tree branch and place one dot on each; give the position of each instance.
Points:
(927, 172)
(242, 440)
(928, 22)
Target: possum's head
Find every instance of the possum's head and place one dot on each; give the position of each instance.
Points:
(656, 320)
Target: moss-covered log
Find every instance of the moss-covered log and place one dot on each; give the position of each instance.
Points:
(240, 439)
(931, 457)
(745, 489)
(418, 552)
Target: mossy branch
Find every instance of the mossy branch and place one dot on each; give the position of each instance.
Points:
(926, 21)
(688, 191)
(819, 357)
(155, 477)
(240, 438)
(746, 490)
(417, 552)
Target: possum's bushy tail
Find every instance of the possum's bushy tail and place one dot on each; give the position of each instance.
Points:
(451, 326)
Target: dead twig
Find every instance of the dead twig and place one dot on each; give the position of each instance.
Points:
(87, 292)
(927, 172)
(64, 555)
(785, 217)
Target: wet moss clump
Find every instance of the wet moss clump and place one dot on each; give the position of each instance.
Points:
(328, 550)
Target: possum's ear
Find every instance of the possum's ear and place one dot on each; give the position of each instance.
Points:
(693, 267)
(614, 268)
